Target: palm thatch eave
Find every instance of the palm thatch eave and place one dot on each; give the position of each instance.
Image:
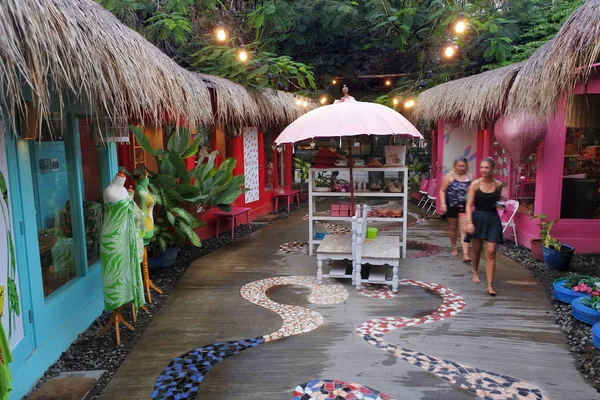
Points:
(475, 100)
(86, 52)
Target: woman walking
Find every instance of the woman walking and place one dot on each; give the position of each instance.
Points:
(483, 223)
(453, 198)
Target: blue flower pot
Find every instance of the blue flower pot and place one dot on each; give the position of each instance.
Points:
(164, 260)
(584, 313)
(565, 295)
(558, 260)
(596, 335)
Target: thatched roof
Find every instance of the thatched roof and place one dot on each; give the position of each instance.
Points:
(555, 68)
(81, 49)
(473, 100)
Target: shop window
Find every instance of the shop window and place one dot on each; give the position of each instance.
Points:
(51, 170)
(581, 174)
(502, 168)
(525, 182)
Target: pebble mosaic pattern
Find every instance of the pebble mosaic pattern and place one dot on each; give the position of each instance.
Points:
(294, 247)
(376, 291)
(296, 319)
(327, 389)
(181, 378)
(429, 250)
(487, 385)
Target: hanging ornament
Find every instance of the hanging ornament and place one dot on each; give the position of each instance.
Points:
(520, 134)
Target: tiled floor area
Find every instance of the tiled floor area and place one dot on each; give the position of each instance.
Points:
(330, 341)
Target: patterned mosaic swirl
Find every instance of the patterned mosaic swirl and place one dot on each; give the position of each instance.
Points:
(182, 377)
(327, 389)
(488, 385)
(294, 247)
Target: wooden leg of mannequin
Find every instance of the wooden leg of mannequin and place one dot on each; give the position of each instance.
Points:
(146, 276)
(116, 319)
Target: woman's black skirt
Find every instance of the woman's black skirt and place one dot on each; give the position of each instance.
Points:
(488, 227)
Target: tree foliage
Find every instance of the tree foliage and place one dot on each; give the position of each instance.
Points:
(322, 39)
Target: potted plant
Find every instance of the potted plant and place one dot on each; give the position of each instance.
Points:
(182, 196)
(536, 244)
(573, 286)
(302, 166)
(414, 178)
(557, 255)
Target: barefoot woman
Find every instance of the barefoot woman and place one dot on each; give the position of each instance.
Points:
(453, 197)
(483, 223)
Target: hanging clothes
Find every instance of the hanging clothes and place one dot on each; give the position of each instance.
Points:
(5, 359)
(121, 253)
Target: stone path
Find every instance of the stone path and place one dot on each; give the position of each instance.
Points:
(309, 342)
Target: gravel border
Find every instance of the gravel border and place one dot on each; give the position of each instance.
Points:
(579, 335)
(92, 352)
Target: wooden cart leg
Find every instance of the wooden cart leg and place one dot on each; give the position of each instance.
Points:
(395, 278)
(358, 277)
(319, 271)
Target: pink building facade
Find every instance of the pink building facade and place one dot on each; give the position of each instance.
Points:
(561, 179)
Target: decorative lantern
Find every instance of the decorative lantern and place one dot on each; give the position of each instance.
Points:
(520, 135)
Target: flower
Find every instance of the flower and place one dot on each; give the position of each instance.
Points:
(596, 293)
(583, 288)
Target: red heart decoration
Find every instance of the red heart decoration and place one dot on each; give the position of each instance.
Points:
(520, 135)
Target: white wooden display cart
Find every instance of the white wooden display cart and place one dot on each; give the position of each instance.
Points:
(398, 173)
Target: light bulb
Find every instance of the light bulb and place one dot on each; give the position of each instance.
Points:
(461, 26)
(243, 54)
(449, 52)
(323, 100)
(221, 33)
(396, 101)
(334, 82)
(409, 103)
(299, 102)
(312, 144)
(305, 103)
(388, 83)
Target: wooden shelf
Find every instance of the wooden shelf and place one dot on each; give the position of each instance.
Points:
(357, 194)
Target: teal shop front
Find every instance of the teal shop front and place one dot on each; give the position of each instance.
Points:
(53, 216)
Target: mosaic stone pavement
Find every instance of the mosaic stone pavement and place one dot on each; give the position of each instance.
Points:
(376, 291)
(487, 385)
(429, 250)
(326, 389)
(181, 378)
(300, 247)
(296, 319)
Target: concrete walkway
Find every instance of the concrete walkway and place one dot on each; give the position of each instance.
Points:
(509, 342)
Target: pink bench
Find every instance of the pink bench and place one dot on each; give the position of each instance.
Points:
(235, 212)
(289, 195)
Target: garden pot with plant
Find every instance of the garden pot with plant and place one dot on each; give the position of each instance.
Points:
(183, 196)
(415, 169)
(302, 166)
(536, 244)
(573, 286)
(587, 309)
(557, 256)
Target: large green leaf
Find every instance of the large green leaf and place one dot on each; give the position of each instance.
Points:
(190, 233)
(166, 181)
(192, 149)
(179, 141)
(142, 140)
(180, 167)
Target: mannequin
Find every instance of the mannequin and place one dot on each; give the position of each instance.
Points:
(346, 97)
(121, 249)
(146, 202)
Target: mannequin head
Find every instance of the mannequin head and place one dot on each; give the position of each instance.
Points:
(345, 90)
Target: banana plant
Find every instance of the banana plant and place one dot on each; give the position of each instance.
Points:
(184, 195)
(302, 166)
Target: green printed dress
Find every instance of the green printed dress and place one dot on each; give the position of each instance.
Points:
(121, 252)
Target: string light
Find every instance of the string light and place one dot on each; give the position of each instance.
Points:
(450, 50)
(409, 103)
(221, 32)
(461, 24)
(388, 83)
(305, 103)
(334, 82)
(396, 101)
(323, 100)
(299, 101)
(243, 54)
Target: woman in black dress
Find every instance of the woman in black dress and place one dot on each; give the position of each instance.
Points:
(483, 223)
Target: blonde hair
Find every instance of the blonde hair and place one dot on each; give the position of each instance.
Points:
(457, 160)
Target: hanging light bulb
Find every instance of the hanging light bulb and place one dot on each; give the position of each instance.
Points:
(323, 100)
(388, 82)
(305, 103)
(409, 103)
(396, 101)
(312, 144)
(243, 54)
(221, 32)
(298, 101)
(334, 82)
(461, 24)
(450, 50)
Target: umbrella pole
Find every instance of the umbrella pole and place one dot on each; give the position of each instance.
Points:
(350, 162)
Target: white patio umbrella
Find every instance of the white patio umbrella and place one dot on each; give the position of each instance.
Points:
(348, 118)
